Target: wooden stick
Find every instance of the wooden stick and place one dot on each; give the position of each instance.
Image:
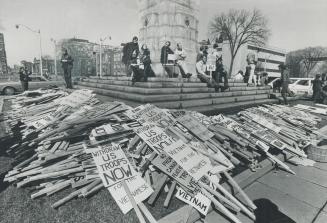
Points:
(239, 189)
(232, 198)
(158, 187)
(131, 199)
(170, 193)
(221, 207)
(147, 213)
(66, 199)
(220, 197)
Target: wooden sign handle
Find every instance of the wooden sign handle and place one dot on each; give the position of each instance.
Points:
(243, 194)
(131, 199)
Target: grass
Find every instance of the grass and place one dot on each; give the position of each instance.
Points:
(16, 206)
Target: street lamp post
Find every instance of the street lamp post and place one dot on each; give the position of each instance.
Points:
(39, 32)
(100, 58)
(55, 56)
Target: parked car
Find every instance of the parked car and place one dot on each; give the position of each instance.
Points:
(302, 86)
(13, 87)
(298, 86)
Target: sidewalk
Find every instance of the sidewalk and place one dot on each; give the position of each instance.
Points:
(286, 198)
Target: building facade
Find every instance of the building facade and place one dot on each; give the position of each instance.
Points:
(3, 56)
(86, 57)
(268, 58)
(169, 20)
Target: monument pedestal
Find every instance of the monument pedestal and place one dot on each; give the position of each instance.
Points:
(177, 93)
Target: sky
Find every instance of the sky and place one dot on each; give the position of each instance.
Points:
(294, 24)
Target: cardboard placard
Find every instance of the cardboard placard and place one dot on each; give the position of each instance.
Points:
(112, 164)
(76, 98)
(169, 166)
(199, 201)
(139, 189)
(114, 167)
(195, 127)
(195, 164)
(154, 137)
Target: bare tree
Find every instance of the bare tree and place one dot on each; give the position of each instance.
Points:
(293, 61)
(240, 27)
(311, 57)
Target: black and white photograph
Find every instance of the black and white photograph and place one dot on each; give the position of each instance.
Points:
(163, 111)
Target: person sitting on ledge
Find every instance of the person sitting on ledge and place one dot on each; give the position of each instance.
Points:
(146, 61)
(204, 75)
(167, 64)
(181, 56)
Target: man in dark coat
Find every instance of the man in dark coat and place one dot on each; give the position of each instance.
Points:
(285, 81)
(128, 50)
(24, 78)
(221, 73)
(67, 65)
(167, 64)
(317, 88)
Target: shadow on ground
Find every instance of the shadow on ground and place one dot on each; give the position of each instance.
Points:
(268, 212)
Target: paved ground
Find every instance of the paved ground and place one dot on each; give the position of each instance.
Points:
(286, 198)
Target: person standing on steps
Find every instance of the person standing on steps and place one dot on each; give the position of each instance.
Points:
(167, 64)
(129, 51)
(67, 65)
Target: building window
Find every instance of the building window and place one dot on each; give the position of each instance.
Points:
(187, 22)
(146, 22)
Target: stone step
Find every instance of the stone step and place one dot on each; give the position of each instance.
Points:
(157, 95)
(146, 91)
(187, 104)
(147, 84)
(227, 107)
(159, 79)
(200, 86)
(176, 101)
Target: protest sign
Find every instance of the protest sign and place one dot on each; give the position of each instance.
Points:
(154, 137)
(76, 98)
(195, 127)
(112, 164)
(195, 164)
(114, 168)
(169, 166)
(139, 189)
(199, 201)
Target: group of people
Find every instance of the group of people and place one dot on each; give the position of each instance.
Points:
(137, 62)
(319, 87)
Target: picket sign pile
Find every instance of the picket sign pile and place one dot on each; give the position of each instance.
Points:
(73, 141)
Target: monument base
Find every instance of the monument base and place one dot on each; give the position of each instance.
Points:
(177, 93)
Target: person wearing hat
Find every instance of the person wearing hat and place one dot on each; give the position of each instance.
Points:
(129, 51)
(285, 81)
(67, 66)
(317, 87)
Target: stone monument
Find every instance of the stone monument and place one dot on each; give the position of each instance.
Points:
(169, 20)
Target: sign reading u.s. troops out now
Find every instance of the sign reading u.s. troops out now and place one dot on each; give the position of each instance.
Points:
(113, 168)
